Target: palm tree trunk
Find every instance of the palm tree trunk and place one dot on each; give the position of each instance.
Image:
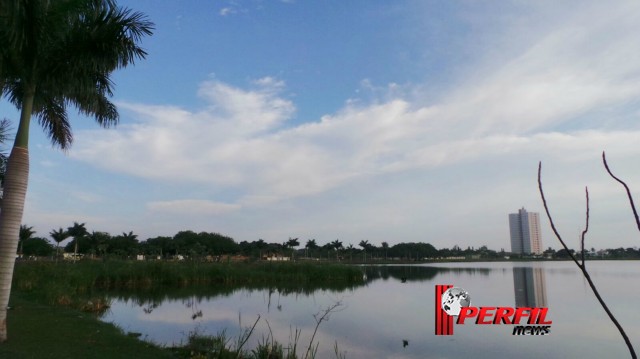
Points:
(15, 191)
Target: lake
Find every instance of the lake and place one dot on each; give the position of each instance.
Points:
(392, 315)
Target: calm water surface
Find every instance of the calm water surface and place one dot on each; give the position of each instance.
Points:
(389, 318)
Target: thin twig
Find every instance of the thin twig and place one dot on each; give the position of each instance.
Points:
(633, 207)
(586, 227)
(582, 267)
(323, 317)
(553, 226)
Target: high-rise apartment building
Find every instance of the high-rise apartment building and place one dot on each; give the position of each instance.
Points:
(525, 232)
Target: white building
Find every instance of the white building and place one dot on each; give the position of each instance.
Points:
(525, 232)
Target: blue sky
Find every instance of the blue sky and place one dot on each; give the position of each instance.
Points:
(359, 120)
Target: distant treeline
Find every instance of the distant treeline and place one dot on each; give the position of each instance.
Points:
(215, 246)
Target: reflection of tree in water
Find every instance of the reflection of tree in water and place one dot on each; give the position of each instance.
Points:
(415, 273)
(148, 308)
(151, 299)
(192, 303)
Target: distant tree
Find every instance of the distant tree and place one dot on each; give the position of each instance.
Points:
(337, 246)
(158, 246)
(59, 236)
(415, 250)
(385, 247)
(261, 245)
(100, 243)
(37, 247)
(310, 246)
(563, 253)
(292, 243)
(350, 249)
(25, 234)
(365, 245)
(549, 252)
(123, 245)
(77, 231)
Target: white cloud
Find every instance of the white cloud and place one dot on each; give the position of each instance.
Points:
(227, 11)
(192, 206)
(538, 104)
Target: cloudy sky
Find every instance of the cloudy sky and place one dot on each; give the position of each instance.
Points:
(360, 120)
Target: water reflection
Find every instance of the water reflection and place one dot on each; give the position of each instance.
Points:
(529, 287)
(394, 308)
(405, 273)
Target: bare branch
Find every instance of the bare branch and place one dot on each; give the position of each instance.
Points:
(586, 227)
(553, 226)
(582, 267)
(321, 317)
(633, 207)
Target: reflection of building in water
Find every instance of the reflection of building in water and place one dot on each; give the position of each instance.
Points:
(529, 287)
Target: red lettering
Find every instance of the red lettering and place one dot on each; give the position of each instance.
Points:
(521, 312)
(542, 315)
(484, 312)
(503, 314)
(466, 312)
(533, 315)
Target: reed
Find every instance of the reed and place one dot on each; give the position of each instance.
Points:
(76, 284)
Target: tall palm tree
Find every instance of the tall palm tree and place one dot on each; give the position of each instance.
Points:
(310, 246)
(292, 243)
(365, 245)
(77, 231)
(337, 245)
(55, 54)
(59, 236)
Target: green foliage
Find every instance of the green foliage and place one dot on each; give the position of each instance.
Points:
(413, 250)
(44, 331)
(39, 247)
(73, 283)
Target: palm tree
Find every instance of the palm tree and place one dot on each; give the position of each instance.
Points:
(337, 245)
(310, 245)
(385, 246)
(54, 54)
(59, 236)
(365, 245)
(350, 249)
(292, 243)
(77, 231)
(25, 234)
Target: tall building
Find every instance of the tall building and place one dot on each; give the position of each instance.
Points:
(525, 232)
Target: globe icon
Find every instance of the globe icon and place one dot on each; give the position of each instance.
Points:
(454, 299)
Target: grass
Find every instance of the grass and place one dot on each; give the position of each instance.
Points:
(53, 305)
(221, 347)
(38, 331)
(76, 284)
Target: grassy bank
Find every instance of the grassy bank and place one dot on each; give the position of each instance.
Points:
(39, 330)
(50, 317)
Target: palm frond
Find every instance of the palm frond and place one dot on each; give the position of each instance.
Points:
(66, 50)
(97, 105)
(52, 116)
